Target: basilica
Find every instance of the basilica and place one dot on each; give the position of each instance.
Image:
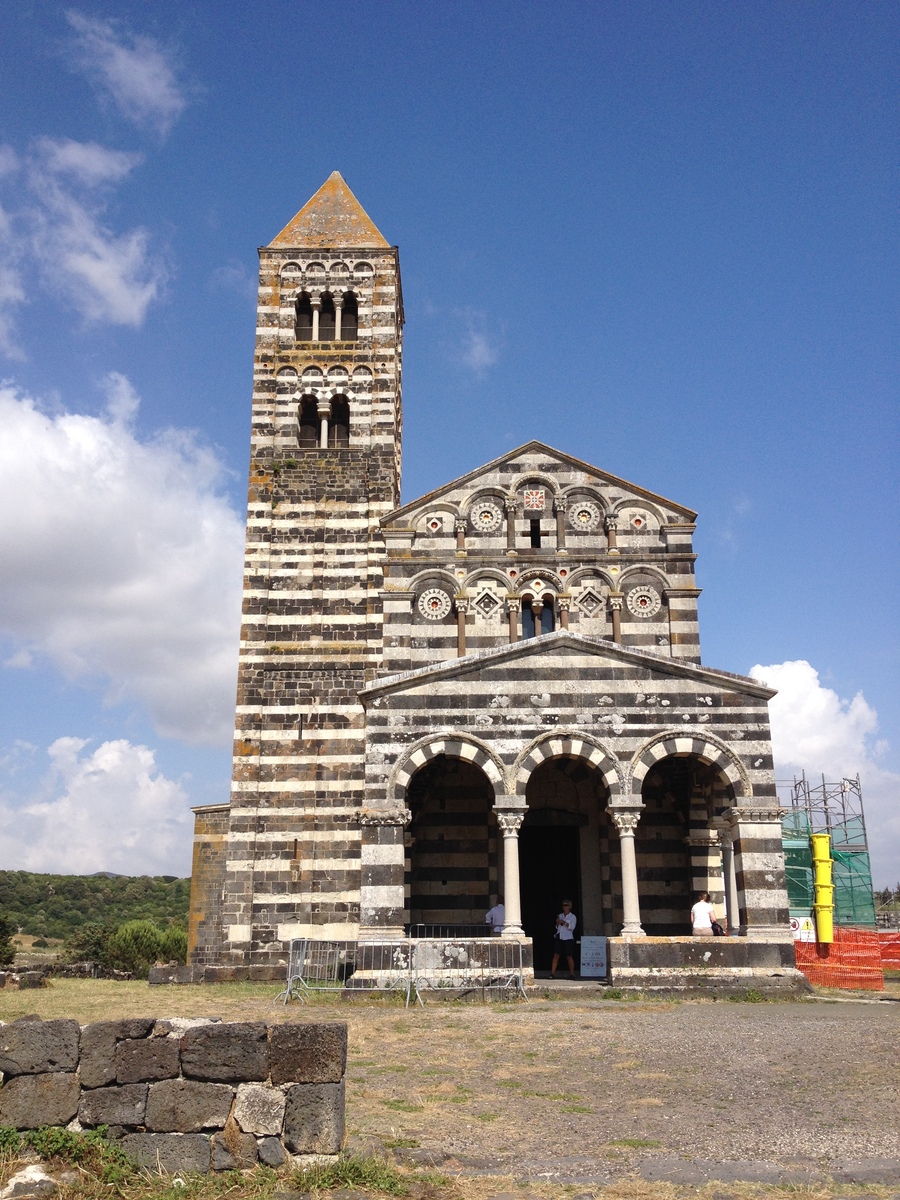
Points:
(496, 688)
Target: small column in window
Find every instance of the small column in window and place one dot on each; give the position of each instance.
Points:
(316, 304)
(510, 506)
(338, 307)
(323, 408)
(612, 525)
(512, 610)
(560, 507)
(564, 602)
(460, 527)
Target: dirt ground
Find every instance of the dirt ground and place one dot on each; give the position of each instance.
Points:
(511, 1089)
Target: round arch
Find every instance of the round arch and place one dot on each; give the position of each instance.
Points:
(461, 746)
(706, 748)
(565, 744)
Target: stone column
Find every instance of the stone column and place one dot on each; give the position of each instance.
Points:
(323, 409)
(560, 507)
(510, 506)
(382, 866)
(729, 879)
(462, 607)
(616, 600)
(762, 901)
(537, 607)
(625, 821)
(460, 527)
(512, 609)
(564, 612)
(316, 302)
(338, 309)
(611, 525)
(510, 821)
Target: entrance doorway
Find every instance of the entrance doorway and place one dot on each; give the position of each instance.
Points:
(550, 869)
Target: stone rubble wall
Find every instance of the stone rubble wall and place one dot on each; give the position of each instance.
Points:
(181, 1095)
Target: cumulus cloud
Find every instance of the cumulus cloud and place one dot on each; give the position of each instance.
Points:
(108, 809)
(131, 70)
(478, 349)
(120, 561)
(817, 731)
(88, 162)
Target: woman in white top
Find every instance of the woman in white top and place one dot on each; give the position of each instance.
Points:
(702, 916)
(564, 939)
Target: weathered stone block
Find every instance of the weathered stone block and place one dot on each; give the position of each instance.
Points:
(97, 1065)
(259, 1109)
(124, 1105)
(33, 1047)
(271, 1152)
(314, 1053)
(169, 1152)
(232, 1150)
(234, 1052)
(146, 1060)
(187, 1106)
(314, 1118)
(29, 1101)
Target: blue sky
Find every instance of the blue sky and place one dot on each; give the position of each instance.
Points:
(660, 237)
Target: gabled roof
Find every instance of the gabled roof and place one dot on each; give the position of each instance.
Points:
(541, 447)
(562, 639)
(333, 218)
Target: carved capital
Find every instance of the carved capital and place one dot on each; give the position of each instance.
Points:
(708, 838)
(512, 604)
(510, 821)
(510, 504)
(462, 603)
(755, 814)
(560, 504)
(564, 602)
(625, 820)
(610, 523)
(323, 408)
(616, 600)
(385, 817)
(460, 526)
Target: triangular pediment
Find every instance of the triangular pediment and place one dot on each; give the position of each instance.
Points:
(332, 218)
(524, 456)
(566, 644)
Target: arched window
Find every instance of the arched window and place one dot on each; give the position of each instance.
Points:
(548, 615)
(326, 318)
(339, 425)
(527, 618)
(349, 318)
(304, 322)
(309, 423)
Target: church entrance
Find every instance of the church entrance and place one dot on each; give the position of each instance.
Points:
(550, 870)
(451, 858)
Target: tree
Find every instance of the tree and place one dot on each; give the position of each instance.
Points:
(7, 949)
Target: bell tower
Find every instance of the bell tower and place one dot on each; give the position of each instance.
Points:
(324, 469)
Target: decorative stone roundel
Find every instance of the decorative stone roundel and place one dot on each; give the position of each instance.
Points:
(584, 515)
(434, 604)
(486, 517)
(643, 601)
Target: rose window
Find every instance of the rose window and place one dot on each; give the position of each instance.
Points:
(486, 517)
(643, 601)
(584, 516)
(434, 604)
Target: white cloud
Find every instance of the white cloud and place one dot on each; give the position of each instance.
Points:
(120, 561)
(87, 162)
(479, 350)
(110, 809)
(816, 731)
(132, 70)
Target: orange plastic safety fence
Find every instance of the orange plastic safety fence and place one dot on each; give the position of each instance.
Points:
(853, 960)
(890, 947)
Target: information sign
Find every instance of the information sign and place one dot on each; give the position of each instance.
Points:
(593, 958)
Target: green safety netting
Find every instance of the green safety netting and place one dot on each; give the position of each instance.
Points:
(851, 870)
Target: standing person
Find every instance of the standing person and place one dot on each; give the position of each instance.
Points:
(564, 939)
(496, 917)
(702, 916)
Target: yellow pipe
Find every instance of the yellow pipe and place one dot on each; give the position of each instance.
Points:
(824, 888)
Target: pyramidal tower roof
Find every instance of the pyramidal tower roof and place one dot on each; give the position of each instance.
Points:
(334, 218)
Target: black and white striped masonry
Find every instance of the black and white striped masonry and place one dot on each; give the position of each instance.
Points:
(495, 688)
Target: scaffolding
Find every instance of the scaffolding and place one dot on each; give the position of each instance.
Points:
(835, 809)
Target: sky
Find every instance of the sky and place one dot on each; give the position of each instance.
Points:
(660, 237)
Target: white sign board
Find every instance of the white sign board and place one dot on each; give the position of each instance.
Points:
(803, 929)
(593, 958)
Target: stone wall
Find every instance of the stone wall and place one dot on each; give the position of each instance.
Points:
(184, 1095)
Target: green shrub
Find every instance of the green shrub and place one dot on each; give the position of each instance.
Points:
(90, 943)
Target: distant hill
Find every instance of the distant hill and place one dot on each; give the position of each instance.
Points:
(56, 905)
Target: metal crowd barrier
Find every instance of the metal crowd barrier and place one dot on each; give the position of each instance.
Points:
(450, 931)
(486, 965)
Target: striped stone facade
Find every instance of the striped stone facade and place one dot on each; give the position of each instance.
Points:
(496, 688)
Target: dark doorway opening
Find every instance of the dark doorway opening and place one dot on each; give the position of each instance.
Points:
(550, 870)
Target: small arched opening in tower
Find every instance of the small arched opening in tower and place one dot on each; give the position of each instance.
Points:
(326, 318)
(349, 318)
(309, 423)
(304, 322)
(339, 427)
